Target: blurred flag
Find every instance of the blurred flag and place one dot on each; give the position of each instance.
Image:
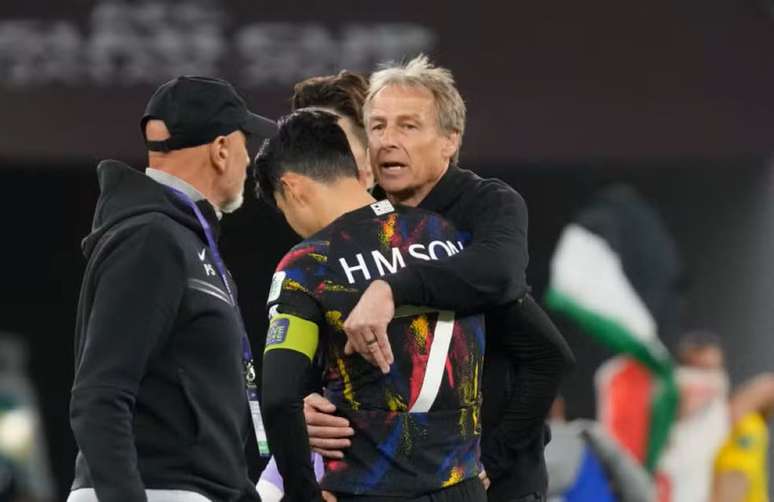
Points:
(614, 274)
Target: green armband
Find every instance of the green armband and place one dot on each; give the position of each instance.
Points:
(293, 333)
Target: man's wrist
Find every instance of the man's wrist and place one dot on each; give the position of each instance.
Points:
(387, 289)
(403, 287)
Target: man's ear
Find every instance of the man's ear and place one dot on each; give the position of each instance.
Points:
(219, 153)
(294, 186)
(362, 177)
(451, 143)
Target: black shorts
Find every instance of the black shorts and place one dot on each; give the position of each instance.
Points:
(470, 490)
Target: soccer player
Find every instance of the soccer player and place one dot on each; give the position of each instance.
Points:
(416, 426)
(342, 94)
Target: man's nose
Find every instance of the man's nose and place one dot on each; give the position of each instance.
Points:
(389, 138)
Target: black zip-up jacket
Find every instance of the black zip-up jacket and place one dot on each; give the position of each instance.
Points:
(158, 399)
(526, 355)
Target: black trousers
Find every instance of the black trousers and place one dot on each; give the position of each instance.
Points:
(470, 490)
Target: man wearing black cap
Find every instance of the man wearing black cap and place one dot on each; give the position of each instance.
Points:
(163, 371)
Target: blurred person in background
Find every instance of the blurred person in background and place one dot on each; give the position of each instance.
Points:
(585, 464)
(741, 466)
(163, 371)
(702, 424)
(25, 475)
(410, 109)
(718, 448)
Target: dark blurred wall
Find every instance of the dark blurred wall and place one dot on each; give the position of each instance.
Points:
(543, 80)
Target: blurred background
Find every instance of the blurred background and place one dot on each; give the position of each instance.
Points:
(673, 98)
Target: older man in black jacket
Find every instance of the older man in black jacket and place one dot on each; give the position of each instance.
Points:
(415, 121)
(159, 404)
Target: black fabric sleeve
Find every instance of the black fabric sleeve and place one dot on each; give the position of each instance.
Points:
(285, 373)
(540, 357)
(137, 291)
(490, 271)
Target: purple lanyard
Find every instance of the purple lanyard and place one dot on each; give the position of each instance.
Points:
(247, 353)
(248, 369)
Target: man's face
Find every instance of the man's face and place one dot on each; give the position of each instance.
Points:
(706, 358)
(408, 151)
(236, 172)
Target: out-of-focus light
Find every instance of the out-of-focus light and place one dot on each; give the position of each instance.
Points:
(16, 433)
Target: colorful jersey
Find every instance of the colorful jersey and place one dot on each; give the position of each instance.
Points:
(745, 452)
(416, 428)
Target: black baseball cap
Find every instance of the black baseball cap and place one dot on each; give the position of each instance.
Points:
(196, 110)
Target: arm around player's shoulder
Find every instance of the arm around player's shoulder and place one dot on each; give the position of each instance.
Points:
(491, 269)
(496, 216)
(489, 204)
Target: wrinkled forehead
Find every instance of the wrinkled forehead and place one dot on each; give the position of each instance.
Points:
(401, 101)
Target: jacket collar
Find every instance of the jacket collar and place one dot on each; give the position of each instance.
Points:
(173, 181)
(446, 190)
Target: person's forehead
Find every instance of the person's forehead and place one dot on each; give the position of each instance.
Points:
(711, 356)
(399, 100)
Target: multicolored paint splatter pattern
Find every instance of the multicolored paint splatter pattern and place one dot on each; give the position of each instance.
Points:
(394, 451)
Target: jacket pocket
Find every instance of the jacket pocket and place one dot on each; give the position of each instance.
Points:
(193, 407)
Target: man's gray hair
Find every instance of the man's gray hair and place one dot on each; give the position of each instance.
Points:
(420, 72)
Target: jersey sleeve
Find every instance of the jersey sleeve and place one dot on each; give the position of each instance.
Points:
(291, 345)
(295, 282)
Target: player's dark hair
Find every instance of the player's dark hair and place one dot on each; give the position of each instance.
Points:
(344, 93)
(308, 142)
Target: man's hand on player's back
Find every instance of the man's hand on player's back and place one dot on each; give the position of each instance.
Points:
(328, 434)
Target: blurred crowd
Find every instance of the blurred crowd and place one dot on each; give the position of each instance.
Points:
(668, 426)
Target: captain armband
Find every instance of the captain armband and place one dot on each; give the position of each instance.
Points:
(290, 332)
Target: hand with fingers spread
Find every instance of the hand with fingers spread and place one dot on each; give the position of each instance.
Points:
(328, 434)
(366, 326)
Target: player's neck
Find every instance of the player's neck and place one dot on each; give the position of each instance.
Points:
(342, 197)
